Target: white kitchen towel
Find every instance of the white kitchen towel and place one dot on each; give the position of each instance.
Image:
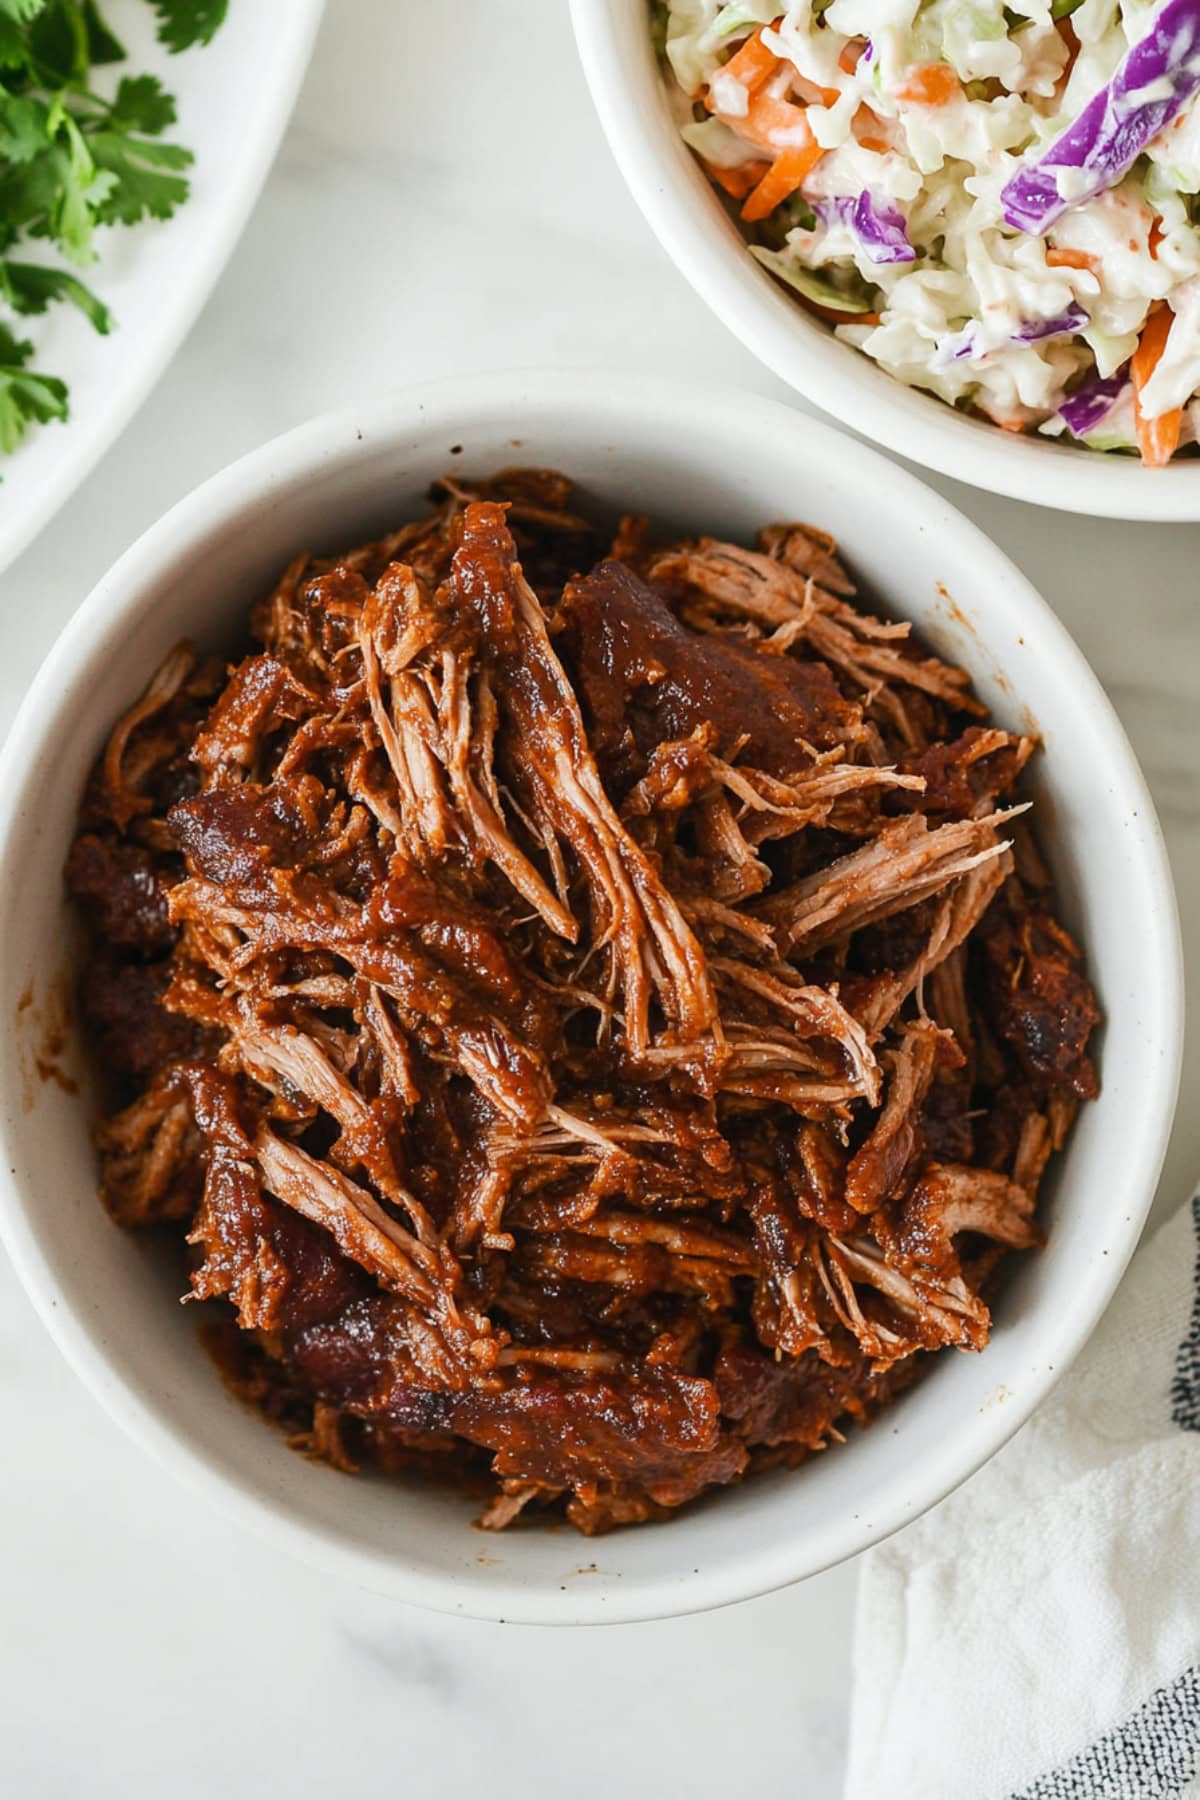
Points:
(1037, 1635)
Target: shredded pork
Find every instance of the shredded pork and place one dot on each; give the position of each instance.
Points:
(595, 1019)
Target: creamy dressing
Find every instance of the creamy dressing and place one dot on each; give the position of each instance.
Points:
(976, 316)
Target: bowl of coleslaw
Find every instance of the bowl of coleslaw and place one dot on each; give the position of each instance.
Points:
(966, 230)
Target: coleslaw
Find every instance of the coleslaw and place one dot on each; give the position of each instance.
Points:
(995, 203)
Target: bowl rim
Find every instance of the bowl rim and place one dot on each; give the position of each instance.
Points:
(691, 225)
(285, 464)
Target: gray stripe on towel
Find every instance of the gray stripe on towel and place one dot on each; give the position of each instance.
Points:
(1152, 1756)
(1185, 1388)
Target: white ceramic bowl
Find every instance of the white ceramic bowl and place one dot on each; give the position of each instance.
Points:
(156, 277)
(113, 1308)
(694, 228)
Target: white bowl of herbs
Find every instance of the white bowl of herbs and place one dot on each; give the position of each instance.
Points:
(134, 137)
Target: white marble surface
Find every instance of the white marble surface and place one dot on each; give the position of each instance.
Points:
(443, 201)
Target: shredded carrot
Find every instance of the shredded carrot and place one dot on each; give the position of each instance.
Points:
(1009, 424)
(849, 54)
(929, 84)
(752, 63)
(865, 127)
(781, 180)
(770, 123)
(1057, 258)
(1158, 439)
(780, 127)
(1156, 235)
(739, 181)
(810, 93)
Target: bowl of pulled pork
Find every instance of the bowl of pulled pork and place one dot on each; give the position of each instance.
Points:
(614, 955)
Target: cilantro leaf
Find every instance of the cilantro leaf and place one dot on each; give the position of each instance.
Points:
(72, 160)
(58, 40)
(142, 104)
(182, 23)
(26, 397)
(51, 196)
(24, 127)
(58, 195)
(14, 49)
(30, 287)
(142, 180)
(13, 349)
(103, 47)
(21, 11)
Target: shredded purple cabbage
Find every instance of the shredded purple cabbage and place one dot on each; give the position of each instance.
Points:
(1083, 410)
(879, 226)
(1030, 331)
(1117, 123)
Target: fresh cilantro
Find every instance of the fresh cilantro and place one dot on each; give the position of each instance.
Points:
(55, 195)
(13, 46)
(182, 23)
(30, 288)
(103, 46)
(58, 41)
(72, 162)
(22, 128)
(144, 184)
(26, 398)
(142, 104)
(20, 11)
